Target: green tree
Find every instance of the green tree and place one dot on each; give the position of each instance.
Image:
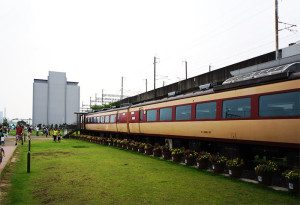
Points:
(98, 107)
(5, 123)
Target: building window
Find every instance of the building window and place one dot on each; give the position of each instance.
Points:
(206, 111)
(183, 112)
(112, 118)
(151, 115)
(277, 105)
(237, 108)
(165, 114)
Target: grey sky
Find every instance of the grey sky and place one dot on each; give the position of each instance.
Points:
(97, 42)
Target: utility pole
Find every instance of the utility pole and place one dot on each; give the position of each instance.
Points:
(185, 69)
(102, 97)
(154, 76)
(122, 89)
(146, 84)
(209, 68)
(276, 28)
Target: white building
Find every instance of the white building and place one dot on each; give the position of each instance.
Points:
(55, 100)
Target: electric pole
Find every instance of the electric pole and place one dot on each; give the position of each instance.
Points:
(154, 76)
(276, 28)
(122, 89)
(146, 84)
(185, 69)
(102, 96)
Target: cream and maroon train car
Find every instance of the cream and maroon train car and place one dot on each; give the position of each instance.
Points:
(108, 121)
(266, 114)
(259, 108)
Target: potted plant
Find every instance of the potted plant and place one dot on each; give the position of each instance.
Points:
(264, 172)
(202, 160)
(108, 141)
(135, 146)
(218, 162)
(190, 157)
(166, 153)
(235, 167)
(157, 151)
(293, 180)
(177, 154)
(141, 148)
(125, 144)
(148, 149)
(115, 142)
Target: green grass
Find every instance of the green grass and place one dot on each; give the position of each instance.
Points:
(77, 172)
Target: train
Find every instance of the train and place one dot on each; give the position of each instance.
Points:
(257, 113)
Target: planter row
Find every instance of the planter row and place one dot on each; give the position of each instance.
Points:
(235, 172)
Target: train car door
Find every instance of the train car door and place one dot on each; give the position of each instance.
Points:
(141, 118)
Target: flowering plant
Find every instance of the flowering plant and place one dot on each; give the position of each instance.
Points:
(190, 154)
(291, 174)
(178, 152)
(267, 167)
(237, 162)
(157, 148)
(148, 146)
(217, 159)
(203, 156)
(142, 145)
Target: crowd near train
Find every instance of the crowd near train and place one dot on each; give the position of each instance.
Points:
(252, 114)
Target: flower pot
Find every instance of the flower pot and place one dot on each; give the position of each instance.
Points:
(264, 178)
(218, 168)
(166, 155)
(176, 158)
(134, 148)
(119, 145)
(129, 147)
(124, 146)
(148, 151)
(235, 172)
(141, 150)
(202, 164)
(189, 161)
(115, 144)
(293, 186)
(157, 153)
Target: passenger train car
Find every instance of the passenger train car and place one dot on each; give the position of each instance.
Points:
(257, 112)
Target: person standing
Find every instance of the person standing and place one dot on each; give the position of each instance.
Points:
(37, 131)
(58, 135)
(2, 135)
(19, 134)
(29, 132)
(55, 131)
(2, 154)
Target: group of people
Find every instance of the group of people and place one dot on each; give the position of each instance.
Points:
(3, 132)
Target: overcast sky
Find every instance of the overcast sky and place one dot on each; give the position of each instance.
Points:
(96, 42)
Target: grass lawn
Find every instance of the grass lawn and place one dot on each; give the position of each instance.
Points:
(78, 172)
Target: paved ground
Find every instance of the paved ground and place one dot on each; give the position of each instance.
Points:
(9, 149)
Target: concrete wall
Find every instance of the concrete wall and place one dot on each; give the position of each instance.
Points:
(55, 100)
(72, 102)
(57, 83)
(40, 99)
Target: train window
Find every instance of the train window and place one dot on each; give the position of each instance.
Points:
(141, 115)
(102, 119)
(94, 119)
(276, 105)
(107, 119)
(237, 108)
(206, 110)
(98, 119)
(183, 112)
(165, 114)
(112, 118)
(151, 115)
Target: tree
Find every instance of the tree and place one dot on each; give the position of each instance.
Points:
(5, 123)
